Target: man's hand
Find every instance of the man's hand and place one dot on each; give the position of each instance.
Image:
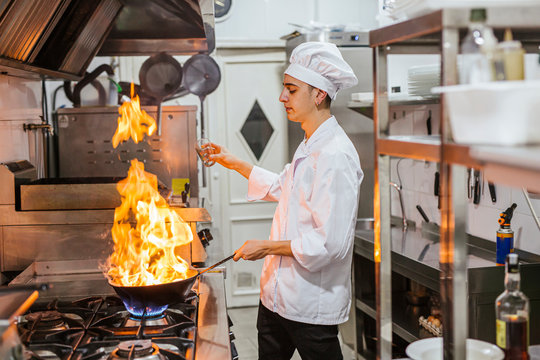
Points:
(223, 157)
(251, 250)
(257, 249)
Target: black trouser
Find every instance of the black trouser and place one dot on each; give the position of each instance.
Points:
(279, 337)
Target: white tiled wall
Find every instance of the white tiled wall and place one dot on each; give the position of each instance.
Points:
(417, 179)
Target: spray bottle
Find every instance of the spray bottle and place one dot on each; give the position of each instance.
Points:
(505, 235)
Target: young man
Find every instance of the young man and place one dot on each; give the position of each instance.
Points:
(306, 277)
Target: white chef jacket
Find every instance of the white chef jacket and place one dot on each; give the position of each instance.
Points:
(318, 199)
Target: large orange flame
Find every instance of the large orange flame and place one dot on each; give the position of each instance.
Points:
(133, 121)
(145, 254)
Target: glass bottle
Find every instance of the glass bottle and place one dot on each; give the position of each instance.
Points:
(477, 50)
(512, 314)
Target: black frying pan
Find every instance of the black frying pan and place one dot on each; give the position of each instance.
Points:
(160, 76)
(154, 296)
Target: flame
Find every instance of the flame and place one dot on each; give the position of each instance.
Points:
(145, 254)
(133, 122)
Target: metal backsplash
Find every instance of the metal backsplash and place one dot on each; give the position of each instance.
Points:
(85, 145)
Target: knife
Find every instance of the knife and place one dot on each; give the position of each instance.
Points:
(428, 123)
(476, 196)
(470, 183)
(492, 192)
(436, 189)
(421, 211)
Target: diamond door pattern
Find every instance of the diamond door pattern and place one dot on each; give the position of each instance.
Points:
(257, 130)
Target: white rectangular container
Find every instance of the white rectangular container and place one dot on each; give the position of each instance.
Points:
(497, 113)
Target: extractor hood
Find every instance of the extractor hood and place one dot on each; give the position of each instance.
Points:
(177, 27)
(55, 38)
(59, 38)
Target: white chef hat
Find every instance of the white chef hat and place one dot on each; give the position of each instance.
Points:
(321, 65)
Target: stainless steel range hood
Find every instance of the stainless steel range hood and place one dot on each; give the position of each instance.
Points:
(178, 27)
(56, 38)
(59, 38)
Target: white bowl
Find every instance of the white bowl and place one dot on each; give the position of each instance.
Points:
(432, 349)
(497, 112)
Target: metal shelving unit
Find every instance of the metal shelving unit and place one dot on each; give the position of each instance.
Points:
(440, 32)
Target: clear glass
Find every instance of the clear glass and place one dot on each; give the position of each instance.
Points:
(204, 149)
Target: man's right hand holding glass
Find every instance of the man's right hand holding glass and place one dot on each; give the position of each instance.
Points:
(225, 158)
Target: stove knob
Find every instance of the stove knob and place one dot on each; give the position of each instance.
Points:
(205, 237)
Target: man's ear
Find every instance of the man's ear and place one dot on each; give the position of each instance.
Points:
(321, 95)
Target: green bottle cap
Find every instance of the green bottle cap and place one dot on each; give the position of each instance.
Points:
(478, 15)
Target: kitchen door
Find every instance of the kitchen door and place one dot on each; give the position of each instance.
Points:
(245, 115)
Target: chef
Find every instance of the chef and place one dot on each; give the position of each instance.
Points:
(306, 276)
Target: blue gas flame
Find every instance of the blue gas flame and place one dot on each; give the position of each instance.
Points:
(151, 311)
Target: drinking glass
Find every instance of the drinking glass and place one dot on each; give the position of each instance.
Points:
(204, 150)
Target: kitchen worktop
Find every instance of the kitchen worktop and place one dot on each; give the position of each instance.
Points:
(415, 254)
(412, 243)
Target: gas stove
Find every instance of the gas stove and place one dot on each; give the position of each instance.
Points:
(100, 328)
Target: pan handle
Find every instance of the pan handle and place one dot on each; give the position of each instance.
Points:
(24, 287)
(217, 264)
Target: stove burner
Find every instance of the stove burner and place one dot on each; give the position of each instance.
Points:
(136, 349)
(148, 321)
(47, 320)
(148, 311)
(101, 328)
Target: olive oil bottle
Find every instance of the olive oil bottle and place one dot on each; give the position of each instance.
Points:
(512, 314)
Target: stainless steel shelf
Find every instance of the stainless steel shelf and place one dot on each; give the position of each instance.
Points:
(460, 155)
(517, 166)
(512, 166)
(420, 147)
(424, 32)
(366, 107)
(441, 32)
(368, 309)
(405, 323)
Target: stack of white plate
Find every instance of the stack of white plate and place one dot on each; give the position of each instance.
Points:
(399, 9)
(421, 79)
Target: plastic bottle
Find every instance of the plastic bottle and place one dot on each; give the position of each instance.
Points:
(512, 55)
(477, 49)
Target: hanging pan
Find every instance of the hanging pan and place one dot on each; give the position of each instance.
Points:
(201, 77)
(160, 76)
(139, 299)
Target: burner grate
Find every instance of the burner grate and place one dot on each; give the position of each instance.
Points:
(100, 328)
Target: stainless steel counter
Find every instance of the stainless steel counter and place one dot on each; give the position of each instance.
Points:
(415, 245)
(415, 256)
(213, 329)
